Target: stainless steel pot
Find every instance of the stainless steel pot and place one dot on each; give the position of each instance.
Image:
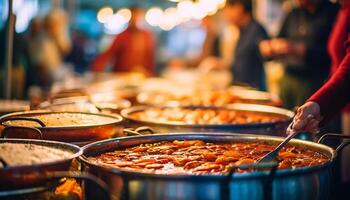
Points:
(274, 128)
(309, 183)
(49, 181)
(80, 134)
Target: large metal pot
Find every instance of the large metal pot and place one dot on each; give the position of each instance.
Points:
(308, 183)
(273, 128)
(32, 180)
(79, 134)
(19, 176)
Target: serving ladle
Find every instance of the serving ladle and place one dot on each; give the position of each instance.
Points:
(271, 156)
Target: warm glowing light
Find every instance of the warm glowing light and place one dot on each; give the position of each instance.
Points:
(116, 24)
(172, 16)
(104, 14)
(221, 3)
(207, 7)
(166, 26)
(185, 9)
(154, 16)
(125, 13)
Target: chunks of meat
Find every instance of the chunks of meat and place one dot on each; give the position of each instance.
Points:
(199, 157)
(188, 143)
(245, 161)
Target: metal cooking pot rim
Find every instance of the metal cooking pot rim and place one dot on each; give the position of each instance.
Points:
(118, 119)
(46, 143)
(174, 136)
(125, 113)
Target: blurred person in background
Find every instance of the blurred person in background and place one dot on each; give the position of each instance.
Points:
(302, 47)
(218, 46)
(33, 40)
(211, 41)
(79, 52)
(48, 43)
(133, 50)
(247, 68)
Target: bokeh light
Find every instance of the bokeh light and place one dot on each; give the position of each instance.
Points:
(154, 16)
(104, 14)
(125, 13)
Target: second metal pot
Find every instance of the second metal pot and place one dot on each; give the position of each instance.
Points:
(273, 128)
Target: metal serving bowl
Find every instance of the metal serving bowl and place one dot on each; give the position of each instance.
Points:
(272, 128)
(19, 176)
(80, 134)
(307, 183)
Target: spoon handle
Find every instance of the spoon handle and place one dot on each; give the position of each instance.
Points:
(286, 140)
(274, 153)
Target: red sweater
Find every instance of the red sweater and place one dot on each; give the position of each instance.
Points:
(338, 38)
(335, 94)
(130, 51)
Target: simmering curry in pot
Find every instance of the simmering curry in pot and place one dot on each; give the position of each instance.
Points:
(199, 157)
(204, 116)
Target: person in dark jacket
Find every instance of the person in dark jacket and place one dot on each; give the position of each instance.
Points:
(248, 66)
(302, 48)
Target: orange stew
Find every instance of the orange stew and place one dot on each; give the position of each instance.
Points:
(204, 116)
(199, 157)
(217, 98)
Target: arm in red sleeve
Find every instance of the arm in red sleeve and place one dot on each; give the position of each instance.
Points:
(334, 95)
(102, 60)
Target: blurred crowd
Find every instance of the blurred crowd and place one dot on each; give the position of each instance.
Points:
(50, 51)
(40, 52)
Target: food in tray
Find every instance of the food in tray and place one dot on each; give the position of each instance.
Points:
(14, 154)
(199, 157)
(204, 116)
(207, 98)
(64, 119)
(13, 105)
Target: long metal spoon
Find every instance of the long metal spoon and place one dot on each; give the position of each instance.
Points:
(273, 154)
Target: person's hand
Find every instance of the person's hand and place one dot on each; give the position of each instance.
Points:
(280, 46)
(266, 49)
(308, 118)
